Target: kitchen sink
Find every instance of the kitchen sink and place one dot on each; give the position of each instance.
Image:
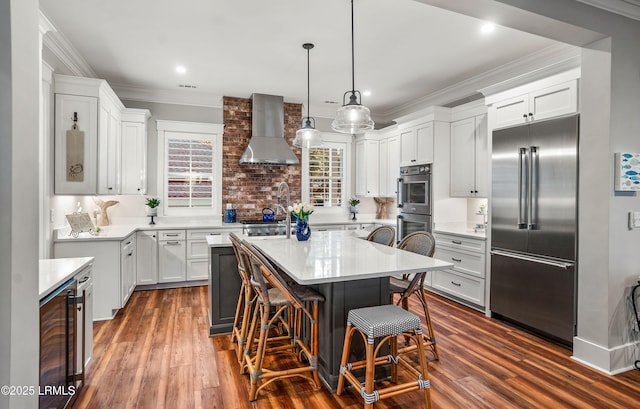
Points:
(253, 228)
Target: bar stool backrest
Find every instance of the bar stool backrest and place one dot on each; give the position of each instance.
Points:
(420, 242)
(384, 235)
(241, 256)
(266, 275)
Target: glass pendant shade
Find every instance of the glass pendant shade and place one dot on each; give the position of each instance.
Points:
(308, 137)
(353, 119)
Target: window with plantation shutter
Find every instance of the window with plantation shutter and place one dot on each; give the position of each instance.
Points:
(189, 168)
(189, 171)
(326, 175)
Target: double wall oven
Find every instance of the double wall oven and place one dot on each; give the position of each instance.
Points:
(414, 199)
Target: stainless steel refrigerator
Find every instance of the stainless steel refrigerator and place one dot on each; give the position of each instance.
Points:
(534, 226)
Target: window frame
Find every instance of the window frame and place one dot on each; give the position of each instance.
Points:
(333, 140)
(207, 131)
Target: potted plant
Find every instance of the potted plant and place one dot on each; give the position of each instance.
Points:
(353, 203)
(302, 211)
(152, 203)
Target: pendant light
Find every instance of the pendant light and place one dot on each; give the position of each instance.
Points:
(352, 117)
(308, 136)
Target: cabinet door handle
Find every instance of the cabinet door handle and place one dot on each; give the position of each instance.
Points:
(215, 234)
(127, 243)
(153, 235)
(456, 242)
(456, 284)
(457, 260)
(130, 254)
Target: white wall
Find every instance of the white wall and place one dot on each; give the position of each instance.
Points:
(19, 117)
(610, 122)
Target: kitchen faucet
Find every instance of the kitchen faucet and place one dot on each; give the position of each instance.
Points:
(284, 186)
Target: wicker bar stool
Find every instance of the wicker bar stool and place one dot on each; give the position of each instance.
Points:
(384, 323)
(246, 300)
(384, 235)
(271, 305)
(424, 243)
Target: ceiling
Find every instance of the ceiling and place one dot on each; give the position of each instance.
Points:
(404, 49)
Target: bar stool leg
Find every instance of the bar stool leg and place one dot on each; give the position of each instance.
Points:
(369, 375)
(432, 337)
(345, 356)
(424, 369)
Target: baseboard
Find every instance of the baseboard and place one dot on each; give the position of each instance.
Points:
(610, 361)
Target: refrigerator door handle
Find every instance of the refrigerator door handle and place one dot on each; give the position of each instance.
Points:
(522, 172)
(553, 263)
(533, 187)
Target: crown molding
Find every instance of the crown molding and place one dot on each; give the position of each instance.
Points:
(627, 8)
(44, 24)
(163, 96)
(546, 62)
(62, 48)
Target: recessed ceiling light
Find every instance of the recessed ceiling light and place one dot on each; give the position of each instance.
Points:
(366, 93)
(181, 69)
(487, 28)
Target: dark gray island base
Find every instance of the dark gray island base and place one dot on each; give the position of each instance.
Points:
(224, 287)
(341, 297)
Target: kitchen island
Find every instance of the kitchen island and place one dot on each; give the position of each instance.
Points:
(349, 271)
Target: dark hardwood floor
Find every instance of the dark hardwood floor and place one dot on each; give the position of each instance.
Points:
(156, 353)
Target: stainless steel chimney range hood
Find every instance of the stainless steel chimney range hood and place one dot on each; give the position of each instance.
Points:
(267, 145)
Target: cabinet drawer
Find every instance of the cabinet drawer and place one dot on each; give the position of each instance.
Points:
(202, 234)
(459, 242)
(466, 288)
(463, 261)
(129, 244)
(197, 269)
(164, 235)
(197, 249)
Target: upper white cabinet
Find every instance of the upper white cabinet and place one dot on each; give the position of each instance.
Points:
(107, 152)
(133, 142)
(546, 98)
(389, 168)
(109, 146)
(469, 157)
(367, 157)
(416, 144)
(76, 153)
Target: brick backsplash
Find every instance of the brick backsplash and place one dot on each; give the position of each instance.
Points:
(250, 188)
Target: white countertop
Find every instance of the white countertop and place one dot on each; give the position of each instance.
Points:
(460, 229)
(121, 231)
(335, 256)
(55, 272)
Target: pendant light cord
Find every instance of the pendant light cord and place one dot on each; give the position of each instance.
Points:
(308, 87)
(353, 64)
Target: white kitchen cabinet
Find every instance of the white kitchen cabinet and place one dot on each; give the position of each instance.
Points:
(106, 273)
(198, 251)
(147, 259)
(68, 180)
(367, 160)
(115, 139)
(134, 151)
(327, 227)
(172, 256)
(128, 256)
(416, 144)
(108, 148)
(389, 168)
(469, 157)
(540, 100)
(465, 281)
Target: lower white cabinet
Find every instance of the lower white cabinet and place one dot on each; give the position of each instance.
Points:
(128, 256)
(147, 260)
(465, 281)
(111, 286)
(198, 251)
(172, 256)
